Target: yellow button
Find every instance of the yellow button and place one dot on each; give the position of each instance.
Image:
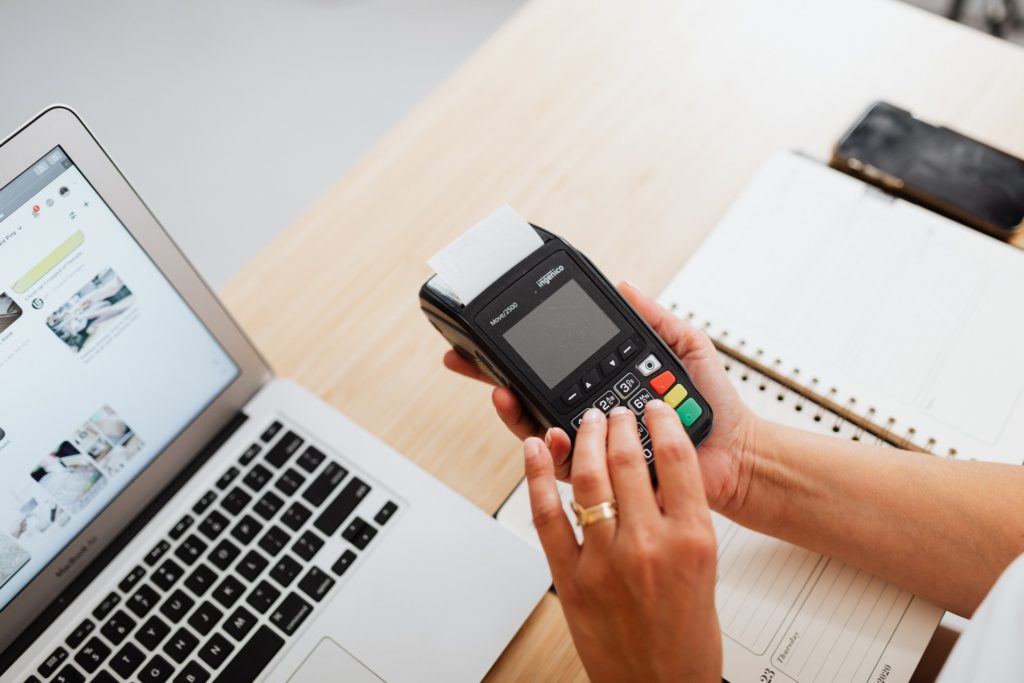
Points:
(675, 396)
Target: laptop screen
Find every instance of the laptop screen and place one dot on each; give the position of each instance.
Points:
(102, 363)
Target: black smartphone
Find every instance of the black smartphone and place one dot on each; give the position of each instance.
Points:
(935, 167)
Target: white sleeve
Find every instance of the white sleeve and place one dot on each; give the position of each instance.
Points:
(992, 647)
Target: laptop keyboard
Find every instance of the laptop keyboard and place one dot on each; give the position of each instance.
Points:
(234, 578)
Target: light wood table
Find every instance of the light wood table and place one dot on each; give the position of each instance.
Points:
(628, 127)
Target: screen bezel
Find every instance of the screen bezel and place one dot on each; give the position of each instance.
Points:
(60, 126)
(528, 295)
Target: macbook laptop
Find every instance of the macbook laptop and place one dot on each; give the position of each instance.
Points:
(169, 511)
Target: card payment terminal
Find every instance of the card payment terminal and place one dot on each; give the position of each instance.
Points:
(557, 332)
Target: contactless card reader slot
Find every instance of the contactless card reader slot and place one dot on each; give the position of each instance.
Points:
(555, 330)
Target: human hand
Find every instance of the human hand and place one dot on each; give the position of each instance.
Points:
(638, 594)
(726, 456)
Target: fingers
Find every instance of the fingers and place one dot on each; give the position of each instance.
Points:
(553, 527)
(561, 448)
(456, 363)
(628, 469)
(511, 412)
(590, 482)
(679, 477)
(681, 337)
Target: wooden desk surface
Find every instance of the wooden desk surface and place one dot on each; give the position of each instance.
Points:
(628, 127)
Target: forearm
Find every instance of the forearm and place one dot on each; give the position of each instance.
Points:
(943, 529)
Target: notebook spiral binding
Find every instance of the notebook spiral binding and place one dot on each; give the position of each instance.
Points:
(890, 431)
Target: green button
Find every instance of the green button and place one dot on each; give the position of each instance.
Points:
(689, 412)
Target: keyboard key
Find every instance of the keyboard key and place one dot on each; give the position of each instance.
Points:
(78, 636)
(359, 533)
(180, 645)
(239, 623)
(344, 562)
(217, 649)
(271, 431)
(308, 545)
(181, 527)
(285, 571)
(156, 670)
(131, 580)
(250, 454)
(253, 658)
(290, 481)
(235, 501)
(274, 540)
(386, 513)
(251, 565)
(343, 505)
(310, 459)
(290, 614)
(689, 411)
(224, 554)
(257, 478)
(51, 663)
(324, 485)
(204, 503)
(167, 575)
(192, 673)
(118, 627)
(103, 676)
(143, 600)
(214, 525)
(201, 580)
(107, 606)
(190, 549)
(268, 505)
(92, 654)
(262, 596)
(69, 674)
(176, 606)
(156, 553)
(228, 591)
(247, 529)
(295, 516)
(152, 632)
(127, 660)
(316, 584)
(228, 477)
(283, 449)
(205, 618)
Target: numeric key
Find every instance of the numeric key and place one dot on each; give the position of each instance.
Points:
(118, 627)
(92, 654)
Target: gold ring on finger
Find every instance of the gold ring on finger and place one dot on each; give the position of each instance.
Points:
(585, 516)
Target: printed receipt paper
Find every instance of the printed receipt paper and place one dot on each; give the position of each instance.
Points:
(484, 253)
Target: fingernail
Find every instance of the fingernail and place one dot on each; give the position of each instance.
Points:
(547, 438)
(619, 410)
(656, 404)
(631, 285)
(531, 447)
(593, 415)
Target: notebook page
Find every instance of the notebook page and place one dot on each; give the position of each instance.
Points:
(787, 613)
(914, 316)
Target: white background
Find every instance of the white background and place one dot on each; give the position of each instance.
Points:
(231, 116)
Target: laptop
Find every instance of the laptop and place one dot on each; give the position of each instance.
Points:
(169, 511)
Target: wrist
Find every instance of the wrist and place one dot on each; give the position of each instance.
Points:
(758, 474)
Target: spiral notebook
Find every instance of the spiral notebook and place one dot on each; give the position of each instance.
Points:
(840, 310)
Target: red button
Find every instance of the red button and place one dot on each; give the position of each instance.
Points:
(663, 382)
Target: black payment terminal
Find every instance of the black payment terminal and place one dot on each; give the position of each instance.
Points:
(555, 330)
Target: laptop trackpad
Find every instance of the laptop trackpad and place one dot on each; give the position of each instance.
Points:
(330, 662)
